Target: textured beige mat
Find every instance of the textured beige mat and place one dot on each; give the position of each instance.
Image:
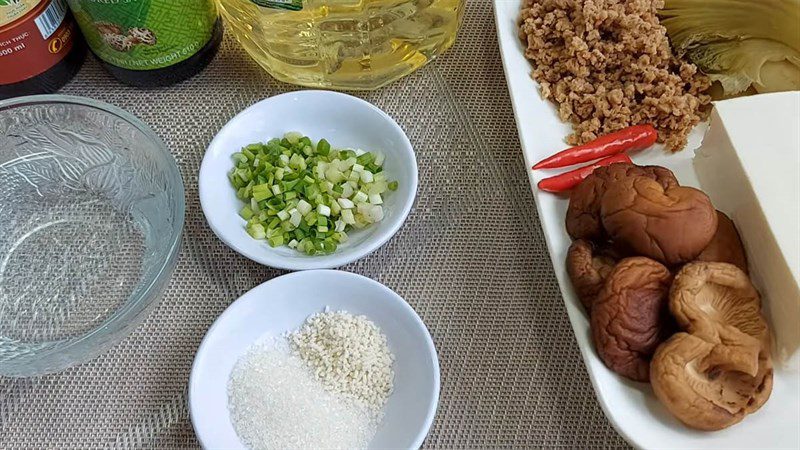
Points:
(471, 259)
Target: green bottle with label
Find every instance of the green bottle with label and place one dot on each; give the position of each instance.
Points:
(150, 43)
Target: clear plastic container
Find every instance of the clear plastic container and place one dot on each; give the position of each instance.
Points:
(343, 44)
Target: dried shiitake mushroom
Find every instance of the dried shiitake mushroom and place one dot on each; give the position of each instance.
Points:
(719, 368)
(583, 214)
(107, 28)
(672, 225)
(629, 316)
(726, 245)
(141, 35)
(118, 42)
(588, 269)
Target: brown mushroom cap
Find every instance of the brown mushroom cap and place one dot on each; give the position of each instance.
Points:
(108, 28)
(588, 269)
(583, 214)
(726, 245)
(719, 369)
(629, 316)
(671, 225)
(688, 393)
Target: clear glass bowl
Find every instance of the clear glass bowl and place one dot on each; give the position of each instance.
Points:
(91, 213)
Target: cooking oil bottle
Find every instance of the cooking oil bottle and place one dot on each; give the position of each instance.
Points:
(343, 44)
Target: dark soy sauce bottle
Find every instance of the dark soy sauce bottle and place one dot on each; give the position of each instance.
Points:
(40, 47)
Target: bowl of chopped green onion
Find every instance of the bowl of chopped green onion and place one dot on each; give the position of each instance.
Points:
(308, 180)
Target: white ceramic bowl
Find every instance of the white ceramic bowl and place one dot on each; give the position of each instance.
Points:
(283, 304)
(346, 122)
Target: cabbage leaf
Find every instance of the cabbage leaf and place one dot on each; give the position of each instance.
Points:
(738, 42)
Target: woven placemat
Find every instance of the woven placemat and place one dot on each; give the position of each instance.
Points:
(471, 259)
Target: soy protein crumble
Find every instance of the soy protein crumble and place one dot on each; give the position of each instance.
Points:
(607, 64)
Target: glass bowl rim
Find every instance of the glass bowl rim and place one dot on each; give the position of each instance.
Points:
(81, 349)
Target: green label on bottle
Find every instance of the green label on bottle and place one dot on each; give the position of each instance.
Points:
(291, 5)
(145, 34)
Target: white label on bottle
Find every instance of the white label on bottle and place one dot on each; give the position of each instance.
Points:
(49, 20)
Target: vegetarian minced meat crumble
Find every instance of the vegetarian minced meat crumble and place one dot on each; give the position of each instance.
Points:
(607, 64)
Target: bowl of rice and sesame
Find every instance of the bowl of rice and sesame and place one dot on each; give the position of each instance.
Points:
(315, 359)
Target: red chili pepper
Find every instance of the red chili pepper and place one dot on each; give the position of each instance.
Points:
(568, 180)
(637, 137)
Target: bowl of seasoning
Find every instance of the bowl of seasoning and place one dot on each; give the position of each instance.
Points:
(308, 180)
(92, 208)
(315, 359)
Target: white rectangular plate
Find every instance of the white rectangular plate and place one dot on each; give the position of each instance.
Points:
(631, 407)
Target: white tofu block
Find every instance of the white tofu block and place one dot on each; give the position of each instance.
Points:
(749, 164)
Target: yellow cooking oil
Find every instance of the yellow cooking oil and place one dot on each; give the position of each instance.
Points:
(343, 44)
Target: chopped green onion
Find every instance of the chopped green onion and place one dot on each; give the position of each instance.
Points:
(304, 207)
(346, 203)
(323, 147)
(246, 213)
(259, 196)
(293, 137)
(348, 217)
(276, 241)
(295, 218)
(366, 158)
(307, 196)
(256, 231)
